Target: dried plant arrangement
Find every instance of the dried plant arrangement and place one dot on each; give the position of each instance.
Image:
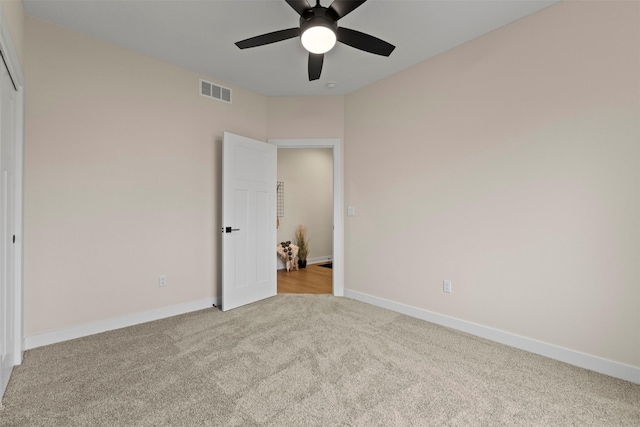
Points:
(303, 243)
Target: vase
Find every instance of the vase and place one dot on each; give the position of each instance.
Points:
(302, 263)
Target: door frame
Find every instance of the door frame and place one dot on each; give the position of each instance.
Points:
(338, 186)
(10, 57)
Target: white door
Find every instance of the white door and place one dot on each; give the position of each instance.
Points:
(249, 172)
(7, 208)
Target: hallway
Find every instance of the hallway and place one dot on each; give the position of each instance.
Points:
(310, 280)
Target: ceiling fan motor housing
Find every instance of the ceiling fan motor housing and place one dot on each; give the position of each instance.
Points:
(318, 16)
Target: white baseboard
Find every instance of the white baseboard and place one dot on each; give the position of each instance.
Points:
(92, 328)
(572, 357)
(319, 260)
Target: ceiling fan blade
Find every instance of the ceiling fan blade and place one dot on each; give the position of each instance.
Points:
(299, 5)
(342, 7)
(269, 38)
(364, 42)
(315, 65)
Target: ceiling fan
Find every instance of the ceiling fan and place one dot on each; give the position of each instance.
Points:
(319, 32)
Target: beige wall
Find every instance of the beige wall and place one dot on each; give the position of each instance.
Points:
(511, 166)
(307, 174)
(15, 16)
(305, 117)
(122, 179)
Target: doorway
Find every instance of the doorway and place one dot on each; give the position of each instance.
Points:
(317, 274)
(305, 199)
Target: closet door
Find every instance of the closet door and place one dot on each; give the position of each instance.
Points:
(8, 297)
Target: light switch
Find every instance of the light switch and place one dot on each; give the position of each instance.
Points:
(351, 211)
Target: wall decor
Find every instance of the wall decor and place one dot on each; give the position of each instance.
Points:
(280, 195)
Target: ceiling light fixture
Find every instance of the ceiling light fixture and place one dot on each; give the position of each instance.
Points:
(318, 30)
(318, 39)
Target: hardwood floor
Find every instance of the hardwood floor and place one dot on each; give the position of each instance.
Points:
(311, 280)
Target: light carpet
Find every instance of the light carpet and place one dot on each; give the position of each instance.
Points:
(305, 360)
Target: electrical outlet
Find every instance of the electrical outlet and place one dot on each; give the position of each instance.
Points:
(162, 281)
(447, 287)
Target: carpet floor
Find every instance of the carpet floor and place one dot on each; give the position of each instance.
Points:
(305, 360)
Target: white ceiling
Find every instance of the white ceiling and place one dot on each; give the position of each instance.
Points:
(200, 36)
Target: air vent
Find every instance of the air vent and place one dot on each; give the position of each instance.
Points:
(211, 90)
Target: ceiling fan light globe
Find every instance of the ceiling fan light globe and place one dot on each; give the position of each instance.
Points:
(318, 39)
